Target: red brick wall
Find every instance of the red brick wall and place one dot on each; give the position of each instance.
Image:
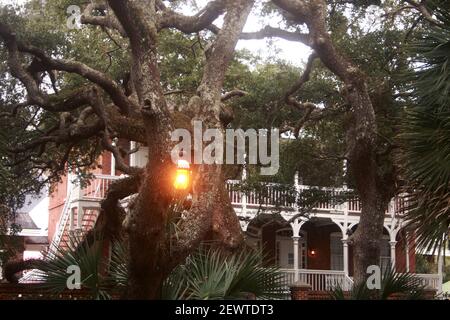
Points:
(57, 198)
(305, 294)
(105, 160)
(55, 206)
(106, 163)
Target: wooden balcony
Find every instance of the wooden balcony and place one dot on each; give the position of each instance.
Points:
(276, 196)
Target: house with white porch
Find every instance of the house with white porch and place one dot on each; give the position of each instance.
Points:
(312, 247)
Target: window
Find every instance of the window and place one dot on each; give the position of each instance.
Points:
(277, 253)
(336, 251)
(303, 255)
(385, 254)
(290, 259)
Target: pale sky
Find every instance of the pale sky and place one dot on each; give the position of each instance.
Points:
(294, 52)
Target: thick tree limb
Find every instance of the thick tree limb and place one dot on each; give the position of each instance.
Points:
(222, 50)
(112, 213)
(232, 94)
(197, 221)
(120, 161)
(108, 21)
(72, 133)
(422, 8)
(36, 97)
(295, 10)
(102, 80)
(308, 107)
(304, 78)
(16, 68)
(195, 23)
(270, 32)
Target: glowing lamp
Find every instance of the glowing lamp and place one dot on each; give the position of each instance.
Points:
(182, 175)
(313, 253)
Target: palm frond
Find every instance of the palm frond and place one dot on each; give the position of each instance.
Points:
(210, 274)
(84, 253)
(118, 268)
(405, 285)
(425, 136)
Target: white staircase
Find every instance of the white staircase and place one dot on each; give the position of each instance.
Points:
(62, 223)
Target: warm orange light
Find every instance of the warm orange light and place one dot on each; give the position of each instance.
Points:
(182, 175)
(313, 253)
(181, 179)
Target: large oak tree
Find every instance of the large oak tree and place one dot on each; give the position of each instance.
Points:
(74, 123)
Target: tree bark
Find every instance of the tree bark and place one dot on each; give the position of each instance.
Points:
(138, 111)
(226, 229)
(361, 133)
(153, 250)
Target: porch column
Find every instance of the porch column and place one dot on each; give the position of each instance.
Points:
(133, 155)
(71, 218)
(80, 215)
(407, 251)
(113, 160)
(296, 226)
(440, 269)
(243, 194)
(345, 255)
(295, 243)
(393, 243)
(113, 165)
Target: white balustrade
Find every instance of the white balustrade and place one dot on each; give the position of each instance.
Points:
(98, 187)
(430, 281)
(319, 280)
(326, 280)
(277, 195)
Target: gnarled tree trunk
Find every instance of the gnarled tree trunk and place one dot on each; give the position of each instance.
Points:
(361, 131)
(154, 251)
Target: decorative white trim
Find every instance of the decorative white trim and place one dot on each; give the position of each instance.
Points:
(244, 224)
(297, 225)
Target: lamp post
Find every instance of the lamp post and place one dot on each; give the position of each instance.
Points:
(182, 176)
(181, 183)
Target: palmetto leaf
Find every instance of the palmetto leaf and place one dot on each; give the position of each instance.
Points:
(211, 274)
(426, 137)
(392, 283)
(400, 283)
(118, 268)
(84, 253)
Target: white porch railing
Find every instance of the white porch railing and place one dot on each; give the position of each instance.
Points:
(275, 195)
(326, 280)
(432, 281)
(98, 187)
(319, 280)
